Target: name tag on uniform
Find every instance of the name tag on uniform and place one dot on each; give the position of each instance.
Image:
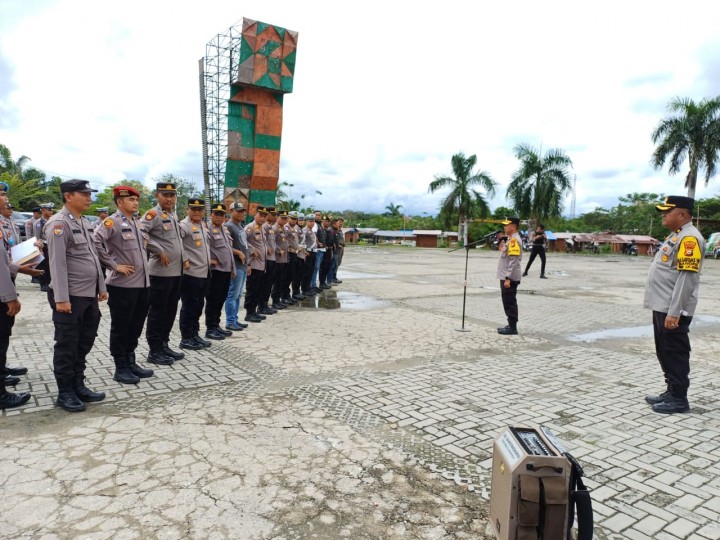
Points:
(128, 236)
(167, 226)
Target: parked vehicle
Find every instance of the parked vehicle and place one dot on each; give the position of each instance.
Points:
(19, 218)
(712, 246)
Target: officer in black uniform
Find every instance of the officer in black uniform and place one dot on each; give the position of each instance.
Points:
(77, 285)
(538, 248)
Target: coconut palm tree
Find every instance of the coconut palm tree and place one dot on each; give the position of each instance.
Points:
(8, 164)
(464, 201)
(393, 209)
(693, 133)
(538, 187)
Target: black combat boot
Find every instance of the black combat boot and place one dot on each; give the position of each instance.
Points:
(83, 392)
(655, 399)
(252, 317)
(67, 398)
(509, 330)
(9, 370)
(202, 342)
(11, 380)
(671, 405)
(167, 351)
(188, 342)
(123, 375)
(215, 333)
(159, 358)
(141, 372)
(8, 400)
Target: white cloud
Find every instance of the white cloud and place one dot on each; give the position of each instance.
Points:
(385, 92)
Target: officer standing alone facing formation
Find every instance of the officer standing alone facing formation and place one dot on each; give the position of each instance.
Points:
(167, 261)
(509, 268)
(193, 285)
(120, 243)
(222, 272)
(539, 243)
(236, 227)
(76, 286)
(671, 293)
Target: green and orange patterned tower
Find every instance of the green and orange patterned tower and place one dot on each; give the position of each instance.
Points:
(265, 74)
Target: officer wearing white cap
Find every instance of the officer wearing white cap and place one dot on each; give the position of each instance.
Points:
(167, 260)
(76, 286)
(671, 293)
(30, 223)
(102, 214)
(509, 273)
(120, 243)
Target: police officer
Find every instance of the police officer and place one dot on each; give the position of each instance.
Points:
(102, 214)
(222, 272)
(257, 253)
(76, 286)
(292, 276)
(280, 292)
(193, 285)
(326, 263)
(46, 212)
(167, 261)
(671, 293)
(539, 242)
(311, 247)
(339, 247)
(509, 272)
(10, 229)
(120, 243)
(9, 376)
(299, 275)
(9, 307)
(30, 223)
(270, 270)
(236, 228)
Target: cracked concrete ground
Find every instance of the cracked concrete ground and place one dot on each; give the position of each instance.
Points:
(365, 414)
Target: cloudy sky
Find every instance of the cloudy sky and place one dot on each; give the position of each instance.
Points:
(384, 94)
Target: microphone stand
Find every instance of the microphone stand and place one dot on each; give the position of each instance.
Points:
(467, 255)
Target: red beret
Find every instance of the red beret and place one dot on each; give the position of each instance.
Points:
(125, 191)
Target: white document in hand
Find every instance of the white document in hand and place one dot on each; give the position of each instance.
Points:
(26, 253)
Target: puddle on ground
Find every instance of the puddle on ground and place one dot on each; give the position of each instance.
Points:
(637, 331)
(342, 299)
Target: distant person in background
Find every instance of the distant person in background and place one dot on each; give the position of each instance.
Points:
(539, 244)
(30, 223)
(46, 212)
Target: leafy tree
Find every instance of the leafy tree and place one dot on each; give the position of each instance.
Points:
(463, 200)
(537, 188)
(693, 132)
(22, 193)
(8, 164)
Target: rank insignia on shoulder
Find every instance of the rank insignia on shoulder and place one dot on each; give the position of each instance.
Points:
(664, 258)
(150, 215)
(108, 223)
(58, 230)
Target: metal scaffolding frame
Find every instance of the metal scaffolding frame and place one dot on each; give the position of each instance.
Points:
(218, 69)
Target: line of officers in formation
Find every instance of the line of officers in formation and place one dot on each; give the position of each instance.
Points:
(144, 266)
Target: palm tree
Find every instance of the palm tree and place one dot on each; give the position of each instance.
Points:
(694, 132)
(537, 188)
(463, 200)
(7, 164)
(393, 209)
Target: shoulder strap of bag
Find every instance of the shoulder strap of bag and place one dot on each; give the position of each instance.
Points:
(580, 498)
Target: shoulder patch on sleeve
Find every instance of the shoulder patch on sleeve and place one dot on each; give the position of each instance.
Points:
(513, 249)
(108, 223)
(58, 230)
(150, 215)
(689, 255)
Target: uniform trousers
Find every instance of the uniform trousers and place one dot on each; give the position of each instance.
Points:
(268, 281)
(6, 324)
(294, 275)
(537, 250)
(339, 252)
(192, 294)
(128, 311)
(672, 347)
(217, 293)
(325, 266)
(308, 271)
(75, 334)
(253, 293)
(164, 296)
(509, 300)
(280, 287)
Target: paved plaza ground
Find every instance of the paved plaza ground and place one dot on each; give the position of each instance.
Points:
(364, 413)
